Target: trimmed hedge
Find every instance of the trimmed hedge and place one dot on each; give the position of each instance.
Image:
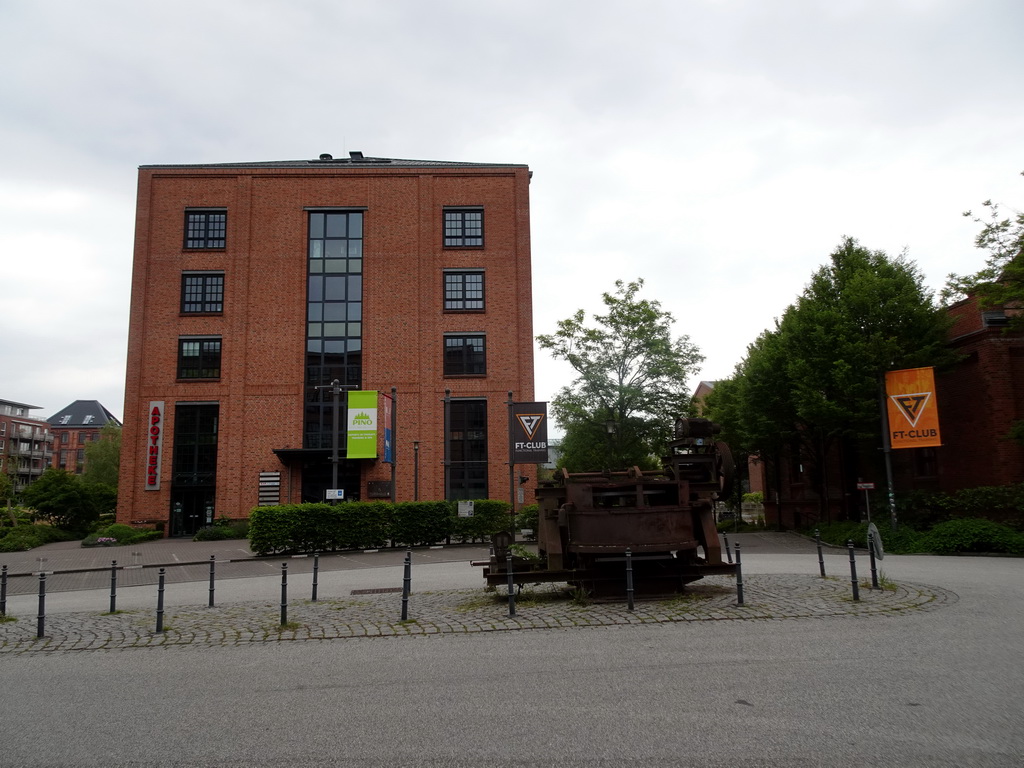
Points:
(369, 524)
(973, 535)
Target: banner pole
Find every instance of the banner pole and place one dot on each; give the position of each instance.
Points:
(887, 449)
(511, 468)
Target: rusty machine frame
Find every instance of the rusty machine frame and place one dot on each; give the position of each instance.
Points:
(664, 518)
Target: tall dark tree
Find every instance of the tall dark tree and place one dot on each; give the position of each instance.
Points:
(631, 381)
(813, 383)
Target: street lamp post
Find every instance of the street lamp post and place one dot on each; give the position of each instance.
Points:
(336, 390)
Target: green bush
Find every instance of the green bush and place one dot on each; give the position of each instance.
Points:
(369, 524)
(122, 535)
(529, 518)
(489, 517)
(224, 528)
(1001, 504)
(417, 522)
(973, 535)
(26, 537)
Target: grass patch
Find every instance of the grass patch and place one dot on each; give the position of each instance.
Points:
(5, 619)
(289, 626)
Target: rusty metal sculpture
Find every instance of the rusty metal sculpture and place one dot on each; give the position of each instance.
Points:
(587, 521)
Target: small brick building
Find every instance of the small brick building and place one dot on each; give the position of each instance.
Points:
(257, 286)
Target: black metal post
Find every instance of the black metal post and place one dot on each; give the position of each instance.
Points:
(41, 617)
(335, 417)
(406, 584)
(316, 572)
(511, 586)
(160, 602)
(728, 552)
(113, 586)
(511, 468)
(853, 571)
(629, 580)
(871, 556)
(739, 577)
(821, 559)
(213, 567)
(3, 591)
(284, 593)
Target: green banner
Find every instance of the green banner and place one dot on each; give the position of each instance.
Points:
(362, 425)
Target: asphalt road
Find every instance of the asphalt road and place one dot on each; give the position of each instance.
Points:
(940, 687)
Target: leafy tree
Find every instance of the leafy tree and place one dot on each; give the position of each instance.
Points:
(103, 456)
(631, 381)
(815, 379)
(67, 501)
(861, 315)
(6, 488)
(1001, 282)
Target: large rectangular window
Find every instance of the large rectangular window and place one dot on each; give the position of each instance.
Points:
(463, 228)
(464, 355)
(334, 317)
(467, 449)
(199, 358)
(463, 291)
(206, 229)
(195, 444)
(202, 292)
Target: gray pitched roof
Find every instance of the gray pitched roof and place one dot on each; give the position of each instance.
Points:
(354, 160)
(82, 413)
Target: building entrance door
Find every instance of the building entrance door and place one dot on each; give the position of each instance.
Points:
(191, 509)
(317, 477)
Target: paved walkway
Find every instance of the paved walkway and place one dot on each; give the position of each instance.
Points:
(376, 612)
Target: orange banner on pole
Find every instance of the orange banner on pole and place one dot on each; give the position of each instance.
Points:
(912, 408)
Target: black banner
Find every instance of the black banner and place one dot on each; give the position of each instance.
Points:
(529, 433)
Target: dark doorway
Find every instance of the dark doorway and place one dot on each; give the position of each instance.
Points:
(191, 509)
(194, 480)
(317, 478)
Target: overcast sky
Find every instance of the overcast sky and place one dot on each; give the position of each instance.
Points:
(719, 149)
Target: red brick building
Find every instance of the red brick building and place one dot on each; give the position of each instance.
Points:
(257, 285)
(26, 443)
(74, 427)
(979, 399)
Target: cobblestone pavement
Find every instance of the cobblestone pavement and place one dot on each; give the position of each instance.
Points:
(766, 598)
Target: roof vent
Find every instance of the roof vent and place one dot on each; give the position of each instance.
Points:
(356, 155)
(326, 156)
